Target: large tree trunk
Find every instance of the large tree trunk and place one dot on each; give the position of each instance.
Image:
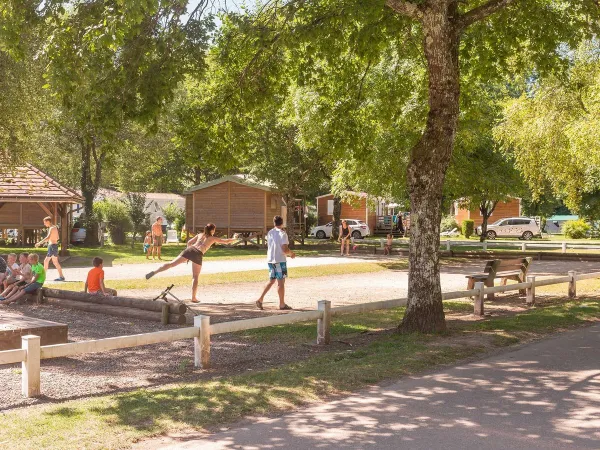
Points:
(427, 169)
(486, 208)
(89, 187)
(291, 219)
(337, 212)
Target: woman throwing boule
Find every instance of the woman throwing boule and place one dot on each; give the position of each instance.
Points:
(196, 249)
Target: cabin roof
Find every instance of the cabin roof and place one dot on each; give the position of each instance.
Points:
(245, 180)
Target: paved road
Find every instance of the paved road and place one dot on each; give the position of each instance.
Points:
(542, 396)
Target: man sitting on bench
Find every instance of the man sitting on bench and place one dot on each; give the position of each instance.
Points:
(38, 276)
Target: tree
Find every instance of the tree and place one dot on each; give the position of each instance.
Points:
(135, 205)
(471, 39)
(173, 213)
(551, 130)
(110, 62)
(115, 214)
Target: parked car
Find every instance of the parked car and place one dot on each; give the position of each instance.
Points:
(521, 227)
(359, 229)
(78, 234)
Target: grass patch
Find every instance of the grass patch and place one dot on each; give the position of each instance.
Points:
(115, 421)
(250, 276)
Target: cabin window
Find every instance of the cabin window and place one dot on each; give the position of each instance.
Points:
(329, 207)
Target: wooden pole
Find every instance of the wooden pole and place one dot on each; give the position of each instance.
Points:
(30, 368)
(478, 305)
(530, 292)
(324, 323)
(572, 284)
(202, 342)
(564, 247)
(165, 314)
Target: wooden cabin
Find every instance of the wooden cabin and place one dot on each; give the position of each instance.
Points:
(356, 206)
(235, 204)
(503, 210)
(27, 195)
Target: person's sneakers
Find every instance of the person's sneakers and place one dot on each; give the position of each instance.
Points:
(149, 275)
(2, 299)
(60, 279)
(285, 307)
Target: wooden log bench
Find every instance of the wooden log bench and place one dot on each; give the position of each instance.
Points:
(14, 326)
(505, 269)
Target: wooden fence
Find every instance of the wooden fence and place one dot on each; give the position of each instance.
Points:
(32, 353)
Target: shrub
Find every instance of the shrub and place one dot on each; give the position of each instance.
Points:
(114, 213)
(576, 229)
(448, 224)
(468, 226)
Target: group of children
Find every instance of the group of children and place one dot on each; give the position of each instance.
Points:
(22, 278)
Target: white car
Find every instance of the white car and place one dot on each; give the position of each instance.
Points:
(358, 229)
(521, 227)
(78, 234)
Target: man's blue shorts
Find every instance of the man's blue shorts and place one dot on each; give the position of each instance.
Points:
(277, 271)
(52, 250)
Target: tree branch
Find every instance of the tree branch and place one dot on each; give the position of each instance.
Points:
(482, 12)
(405, 8)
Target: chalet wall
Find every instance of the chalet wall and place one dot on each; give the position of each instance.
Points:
(247, 206)
(503, 210)
(211, 206)
(33, 215)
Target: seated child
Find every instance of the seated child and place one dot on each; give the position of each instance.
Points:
(23, 275)
(388, 245)
(147, 243)
(12, 269)
(38, 276)
(3, 268)
(95, 280)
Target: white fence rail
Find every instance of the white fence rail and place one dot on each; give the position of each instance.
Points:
(32, 353)
(447, 244)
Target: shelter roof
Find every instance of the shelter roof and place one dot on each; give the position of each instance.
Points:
(29, 184)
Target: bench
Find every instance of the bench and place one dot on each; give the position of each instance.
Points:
(508, 269)
(252, 237)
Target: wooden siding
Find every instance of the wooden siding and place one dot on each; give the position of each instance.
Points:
(324, 218)
(247, 206)
(33, 215)
(350, 210)
(503, 210)
(272, 200)
(189, 218)
(211, 206)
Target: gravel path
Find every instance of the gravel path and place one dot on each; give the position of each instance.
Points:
(93, 374)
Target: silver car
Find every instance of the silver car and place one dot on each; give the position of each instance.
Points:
(521, 227)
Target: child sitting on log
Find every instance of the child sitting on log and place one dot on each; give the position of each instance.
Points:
(12, 270)
(95, 280)
(23, 274)
(38, 276)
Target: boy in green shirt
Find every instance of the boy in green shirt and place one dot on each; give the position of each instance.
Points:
(38, 276)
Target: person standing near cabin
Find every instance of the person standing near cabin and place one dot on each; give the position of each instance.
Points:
(195, 251)
(52, 255)
(157, 237)
(345, 238)
(278, 250)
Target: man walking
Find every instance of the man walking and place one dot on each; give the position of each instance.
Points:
(278, 248)
(157, 237)
(52, 240)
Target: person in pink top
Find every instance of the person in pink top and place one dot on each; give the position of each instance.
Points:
(196, 249)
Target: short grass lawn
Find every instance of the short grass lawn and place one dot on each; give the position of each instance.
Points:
(116, 421)
(249, 276)
(124, 254)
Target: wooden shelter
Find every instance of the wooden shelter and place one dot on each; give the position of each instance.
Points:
(235, 204)
(27, 195)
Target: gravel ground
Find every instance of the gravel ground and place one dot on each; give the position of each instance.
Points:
(93, 374)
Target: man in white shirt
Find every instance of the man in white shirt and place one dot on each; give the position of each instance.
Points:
(278, 249)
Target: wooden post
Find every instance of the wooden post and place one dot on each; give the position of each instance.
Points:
(39, 298)
(530, 291)
(165, 314)
(572, 284)
(523, 246)
(64, 230)
(202, 342)
(324, 324)
(478, 305)
(30, 368)
(564, 247)
(448, 246)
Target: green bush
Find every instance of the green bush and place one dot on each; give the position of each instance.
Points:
(468, 226)
(114, 213)
(448, 224)
(576, 229)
